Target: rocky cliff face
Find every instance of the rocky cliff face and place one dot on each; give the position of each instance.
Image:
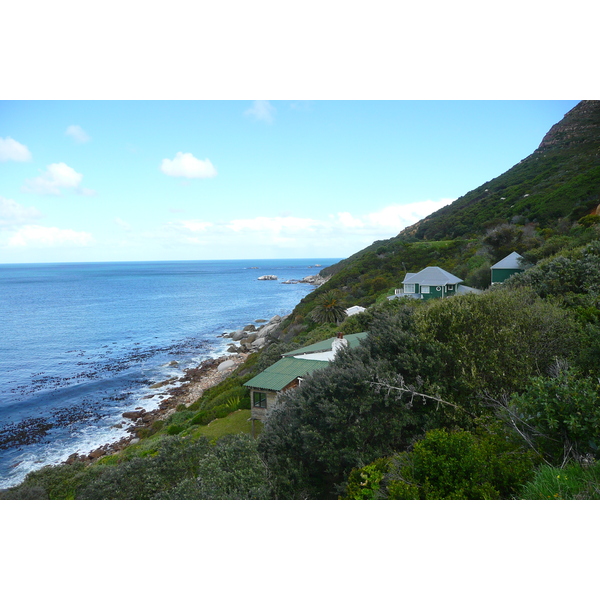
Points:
(581, 125)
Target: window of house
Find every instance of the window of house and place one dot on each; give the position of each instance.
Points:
(424, 289)
(259, 399)
(409, 288)
(450, 287)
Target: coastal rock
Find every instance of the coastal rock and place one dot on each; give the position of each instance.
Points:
(267, 278)
(133, 415)
(236, 336)
(264, 320)
(315, 280)
(163, 383)
(96, 453)
(250, 327)
(233, 348)
(226, 365)
(266, 330)
(259, 343)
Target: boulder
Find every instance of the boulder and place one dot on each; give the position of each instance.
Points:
(267, 278)
(227, 364)
(250, 327)
(266, 330)
(236, 336)
(133, 414)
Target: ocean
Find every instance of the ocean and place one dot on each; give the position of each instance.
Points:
(81, 343)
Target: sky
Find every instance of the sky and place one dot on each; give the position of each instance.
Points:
(127, 180)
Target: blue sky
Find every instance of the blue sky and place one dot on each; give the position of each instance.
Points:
(181, 180)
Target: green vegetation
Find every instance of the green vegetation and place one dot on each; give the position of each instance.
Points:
(490, 396)
(329, 308)
(447, 465)
(576, 481)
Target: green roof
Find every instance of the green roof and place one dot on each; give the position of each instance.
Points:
(353, 340)
(283, 372)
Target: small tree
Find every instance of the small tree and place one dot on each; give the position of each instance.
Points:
(330, 308)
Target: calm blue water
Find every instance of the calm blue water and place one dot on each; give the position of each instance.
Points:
(81, 343)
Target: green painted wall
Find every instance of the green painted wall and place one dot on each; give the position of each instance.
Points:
(500, 275)
(443, 293)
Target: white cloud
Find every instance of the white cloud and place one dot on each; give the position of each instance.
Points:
(398, 216)
(273, 225)
(11, 150)
(13, 214)
(57, 176)
(347, 220)
(337, 235)
(262, 110)
(187, 165)
(41, 237)
(78, 134)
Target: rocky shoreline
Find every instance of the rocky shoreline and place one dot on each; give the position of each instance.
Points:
(191, 386)
(193, 383)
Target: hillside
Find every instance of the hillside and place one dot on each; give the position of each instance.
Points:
(561, 179)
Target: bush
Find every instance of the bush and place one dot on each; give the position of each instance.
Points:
(492, 343)
(229, 470)
(142, 478)
(175, 429)
(448, 465)
(53, 482)
(146, 432)
(561, 414)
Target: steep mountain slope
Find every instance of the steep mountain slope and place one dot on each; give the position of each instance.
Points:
(561, 179)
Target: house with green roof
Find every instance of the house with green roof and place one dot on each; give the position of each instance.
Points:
(506, 267)
(288, 372)
(432, 282)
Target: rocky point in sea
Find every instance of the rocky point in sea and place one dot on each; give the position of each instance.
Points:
(252, 338)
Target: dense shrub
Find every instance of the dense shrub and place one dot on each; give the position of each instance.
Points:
(53, 482)
(142, 478)
(494, 342)
(448, 465)
(229, 470)
(561, 415)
